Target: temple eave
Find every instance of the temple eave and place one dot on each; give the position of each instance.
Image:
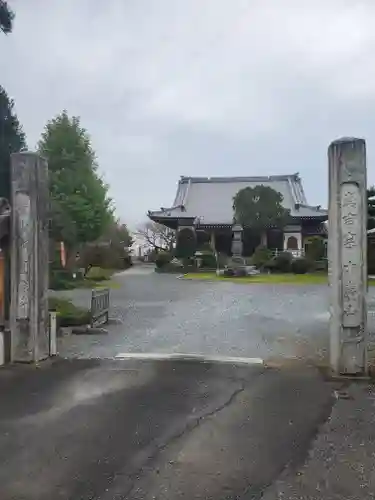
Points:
(168, 220)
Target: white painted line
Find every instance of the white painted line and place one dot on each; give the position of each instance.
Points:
(193, 357)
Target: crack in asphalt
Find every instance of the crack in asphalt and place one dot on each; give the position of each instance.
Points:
(189, 427)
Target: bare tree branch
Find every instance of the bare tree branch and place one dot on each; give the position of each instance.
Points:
(159, 237)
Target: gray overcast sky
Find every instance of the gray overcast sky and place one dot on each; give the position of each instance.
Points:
(196, 87)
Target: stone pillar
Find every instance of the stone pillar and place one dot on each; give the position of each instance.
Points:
(237, 240)
(29, 257)
(347, 254)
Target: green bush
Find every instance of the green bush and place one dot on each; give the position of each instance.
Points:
(315, 248)
(261, 256)
(283, 262)
(208, 260)
(60, 279)
(270, 265)
(105, 257)
(300, 266)
(163, 258)
(98, 274)
(321, 266)
(67, 313)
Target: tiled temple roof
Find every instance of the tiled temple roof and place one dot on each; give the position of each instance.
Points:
(210, 199)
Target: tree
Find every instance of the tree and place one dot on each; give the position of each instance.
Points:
(6, 17)
(117, 234)
(12, 140)
(80, 208)
(371, 207)
(111, 251)
(159, 237)
(316, 248)
(259, 208)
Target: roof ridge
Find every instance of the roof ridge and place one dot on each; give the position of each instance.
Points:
(196, 179)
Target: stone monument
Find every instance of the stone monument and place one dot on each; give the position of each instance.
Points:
(347, 254)
(237, 241)
(29, 258)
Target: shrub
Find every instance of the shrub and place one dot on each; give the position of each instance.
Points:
(208, 260)
(60, 279)
(270, 266)
(301, 266)
(104, 256)
(98, 274)
(67, 313)
(321, 266)
(315, 248)
(162, 259)
(228, 272)
(261, 256)
(283, 262)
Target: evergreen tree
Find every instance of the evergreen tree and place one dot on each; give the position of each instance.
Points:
(80, 208)
(12, 140)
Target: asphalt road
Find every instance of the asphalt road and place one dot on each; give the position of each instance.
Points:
(112, 430)
(161, 314)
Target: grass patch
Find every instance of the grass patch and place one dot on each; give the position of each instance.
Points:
(98, 284)
(287, 278)
(96, 277)
(67, 313)
(271, 279)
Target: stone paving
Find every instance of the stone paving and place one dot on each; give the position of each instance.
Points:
(163, 314)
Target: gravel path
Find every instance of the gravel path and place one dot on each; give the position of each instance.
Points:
(163, 314)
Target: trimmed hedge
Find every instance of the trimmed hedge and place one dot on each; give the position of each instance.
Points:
(301, 266)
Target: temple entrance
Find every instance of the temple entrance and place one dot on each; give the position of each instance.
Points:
(292, 243)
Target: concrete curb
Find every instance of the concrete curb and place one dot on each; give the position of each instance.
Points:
(88, 330)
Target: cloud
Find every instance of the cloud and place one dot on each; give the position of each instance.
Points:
(196, 87)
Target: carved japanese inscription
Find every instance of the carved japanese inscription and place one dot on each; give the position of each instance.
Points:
(351, 254)
(23, 214)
